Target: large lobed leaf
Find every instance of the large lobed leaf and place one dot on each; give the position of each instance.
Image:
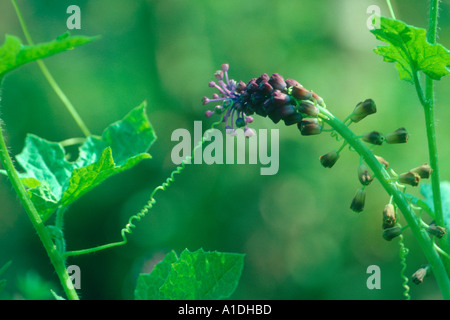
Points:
(13, 53)
(52, 181)
(409, 49)
(195, 275)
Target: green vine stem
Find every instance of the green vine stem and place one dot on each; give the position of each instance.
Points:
(397, 196)
(42, 232)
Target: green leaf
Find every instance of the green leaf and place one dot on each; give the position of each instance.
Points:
(427, 192)
(409, 49)
(13, 53)
(195, 275)
(52, 181)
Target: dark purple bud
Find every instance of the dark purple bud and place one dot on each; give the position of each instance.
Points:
(389, 216)
(424, 171)
(410, 178)
(219, 74)
(287, 110)
(328, 160)
(277, 82)
(358, 201)
(252, 86)
(398, 136)
(363, 109)
(280, 99)
(301, 93)
(373, 137)
(225, 67)
(293, 119)
(275, 116)
(420, 274)
(364, 175)
(316, 97)
(265, 87)
(309, 126)
(292, 83)
(262, 78)
(391, 233)
(208, 113)
(241, 86)
(309, 108)
(240, 122)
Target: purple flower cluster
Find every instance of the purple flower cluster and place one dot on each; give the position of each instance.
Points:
(272, 97)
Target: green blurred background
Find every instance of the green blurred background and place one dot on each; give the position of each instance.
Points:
(300, 238)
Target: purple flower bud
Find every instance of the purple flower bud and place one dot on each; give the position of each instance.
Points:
(265, 87)
(389, 217)
(249, 119)
(216, 96)
(241, 86)
(293, 119)
(279, 98)
(219, 75)
(225, 67)
(410, 178)
(212, 84)
(358, 201)
(398, 136)
(205, 100)
(208, 113)
(363, 109)
(328, 160)
(292, 83)
(262, 78)
(248, 132)
(301, 93)
(373, 137)
(364, 175)
(277, 82)
(424, 171)
(309, 126)
(391, 233)
(309, 108)
(252, 86)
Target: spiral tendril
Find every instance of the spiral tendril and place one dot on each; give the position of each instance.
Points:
(403, 253)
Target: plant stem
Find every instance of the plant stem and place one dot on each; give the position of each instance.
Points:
(73, 112)
(399, 199)
(55, 257)
(391, 10)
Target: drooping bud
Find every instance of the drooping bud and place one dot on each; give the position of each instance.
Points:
(364, 175)
(373, 137)
(363, 109)
(277, 82)
(301, 93)
(328, 160)
(292, 82)
(279, 98)
(382, 161)
(410, 178)
(248, 132)
(420, 274)
(309, 108)
(359, 201)
(391, 233)
(389, 217)
(398, 136)
(424, 171)
(436, 230)
(309, 126)
(293, 119)
(240, 122)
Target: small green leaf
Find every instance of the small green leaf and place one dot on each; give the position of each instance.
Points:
(52, 181)
(195, 275)
(13, 53)
(427, 192)
(409, 49)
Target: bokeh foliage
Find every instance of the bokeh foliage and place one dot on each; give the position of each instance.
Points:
(300, 238)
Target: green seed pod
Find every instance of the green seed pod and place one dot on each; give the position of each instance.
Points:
(398, 136)
(373, 137)
(364, 175)
(424, 171)
(363, 109)
(309, 108)
(436, 231)
(391, 233)
(359, 201)
(389, 217)
(328, 160)
(410, 178)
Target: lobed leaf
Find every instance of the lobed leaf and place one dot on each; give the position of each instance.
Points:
(52, 181)
(13, 53)
(409, 49)
(195, 275)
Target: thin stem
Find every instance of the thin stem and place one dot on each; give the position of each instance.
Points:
(55, 257)
(73, 112)
(391, 10)
(399, 198)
